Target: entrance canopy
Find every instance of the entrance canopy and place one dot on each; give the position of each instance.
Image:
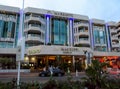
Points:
(54, 50)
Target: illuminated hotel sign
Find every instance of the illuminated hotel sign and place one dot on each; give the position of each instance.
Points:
(53, 50)
(32, 52)
(69, 50)
(60, 14)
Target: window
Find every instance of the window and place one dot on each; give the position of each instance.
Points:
(59, 32)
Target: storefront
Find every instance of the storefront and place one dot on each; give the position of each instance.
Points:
(62, 56)
(112, 58)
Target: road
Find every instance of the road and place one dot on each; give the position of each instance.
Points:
(33, 77)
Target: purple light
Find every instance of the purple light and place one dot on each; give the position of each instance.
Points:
(71, 32)
(20, 25)
(47, 15)
(108, 39)
(91, 33)
(47, 30)
(71, 19)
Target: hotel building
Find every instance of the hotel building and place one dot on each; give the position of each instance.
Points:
(56, 38)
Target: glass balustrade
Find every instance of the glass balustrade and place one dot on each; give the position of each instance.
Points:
(33, 16)
(41, 28)
(6, 45)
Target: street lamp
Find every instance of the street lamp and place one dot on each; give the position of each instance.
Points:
(21, 43)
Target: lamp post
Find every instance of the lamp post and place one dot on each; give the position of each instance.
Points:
(20, 44)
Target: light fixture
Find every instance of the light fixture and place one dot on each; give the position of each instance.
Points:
(69, 61)
(33, 58)
(26, 58)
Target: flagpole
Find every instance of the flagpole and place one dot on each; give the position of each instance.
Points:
(20, 43)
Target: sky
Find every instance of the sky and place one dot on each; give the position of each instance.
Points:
(108, 10)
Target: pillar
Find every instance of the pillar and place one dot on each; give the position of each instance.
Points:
(91, 35)
(47, 32)
(108, 38)
(70, 32)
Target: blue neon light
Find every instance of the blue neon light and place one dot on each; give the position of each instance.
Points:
(91, 33)
(71, 32)
(108, 39)
(71, 19)
(20, 32)
(47, 15)
(47, 29)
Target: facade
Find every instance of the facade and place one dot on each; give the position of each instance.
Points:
(8, 34)
(114, 41)
(118, 31)
(57, 38)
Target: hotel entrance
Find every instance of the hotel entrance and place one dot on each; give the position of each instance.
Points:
(40, 62)
(63, 57)
(37, 63)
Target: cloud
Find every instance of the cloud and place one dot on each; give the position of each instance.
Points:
(101, 9)
(16, 3)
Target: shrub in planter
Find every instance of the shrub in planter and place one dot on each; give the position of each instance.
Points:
(33, 85)
(113, 83)
(51, 84)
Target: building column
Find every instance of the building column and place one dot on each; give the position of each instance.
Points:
(73, 59)
(91, 35)
(47, 32)
(74, 63)
(108, 38)
(70, 32)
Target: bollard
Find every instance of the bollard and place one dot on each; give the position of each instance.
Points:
(76, 73)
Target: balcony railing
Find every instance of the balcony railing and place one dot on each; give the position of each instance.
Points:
(34, 27)
(114, 38)
(119, 34)
(116, 45)
(8, 18)
(83, 41)
(118, 28)
(86, 33)
(7, 39)
(113, 31)
(33, 37)
(80, 24)
(34, 18)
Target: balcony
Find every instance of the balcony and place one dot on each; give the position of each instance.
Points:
(8, 19)
(115, 45)
(33, 18)
(34, 28)
(119, 34)
(115, 38)
(85, 33)
(7, 39)
(81, 24)
(82, 41)
(34, 38)
(118, 29)
(113, 31)
(101, 45)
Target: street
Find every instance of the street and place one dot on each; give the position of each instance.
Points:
(33, 77)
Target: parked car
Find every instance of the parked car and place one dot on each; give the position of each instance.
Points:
(55, 72)
(114, 71)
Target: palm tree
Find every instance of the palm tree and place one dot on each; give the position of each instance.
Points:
(96, 77)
